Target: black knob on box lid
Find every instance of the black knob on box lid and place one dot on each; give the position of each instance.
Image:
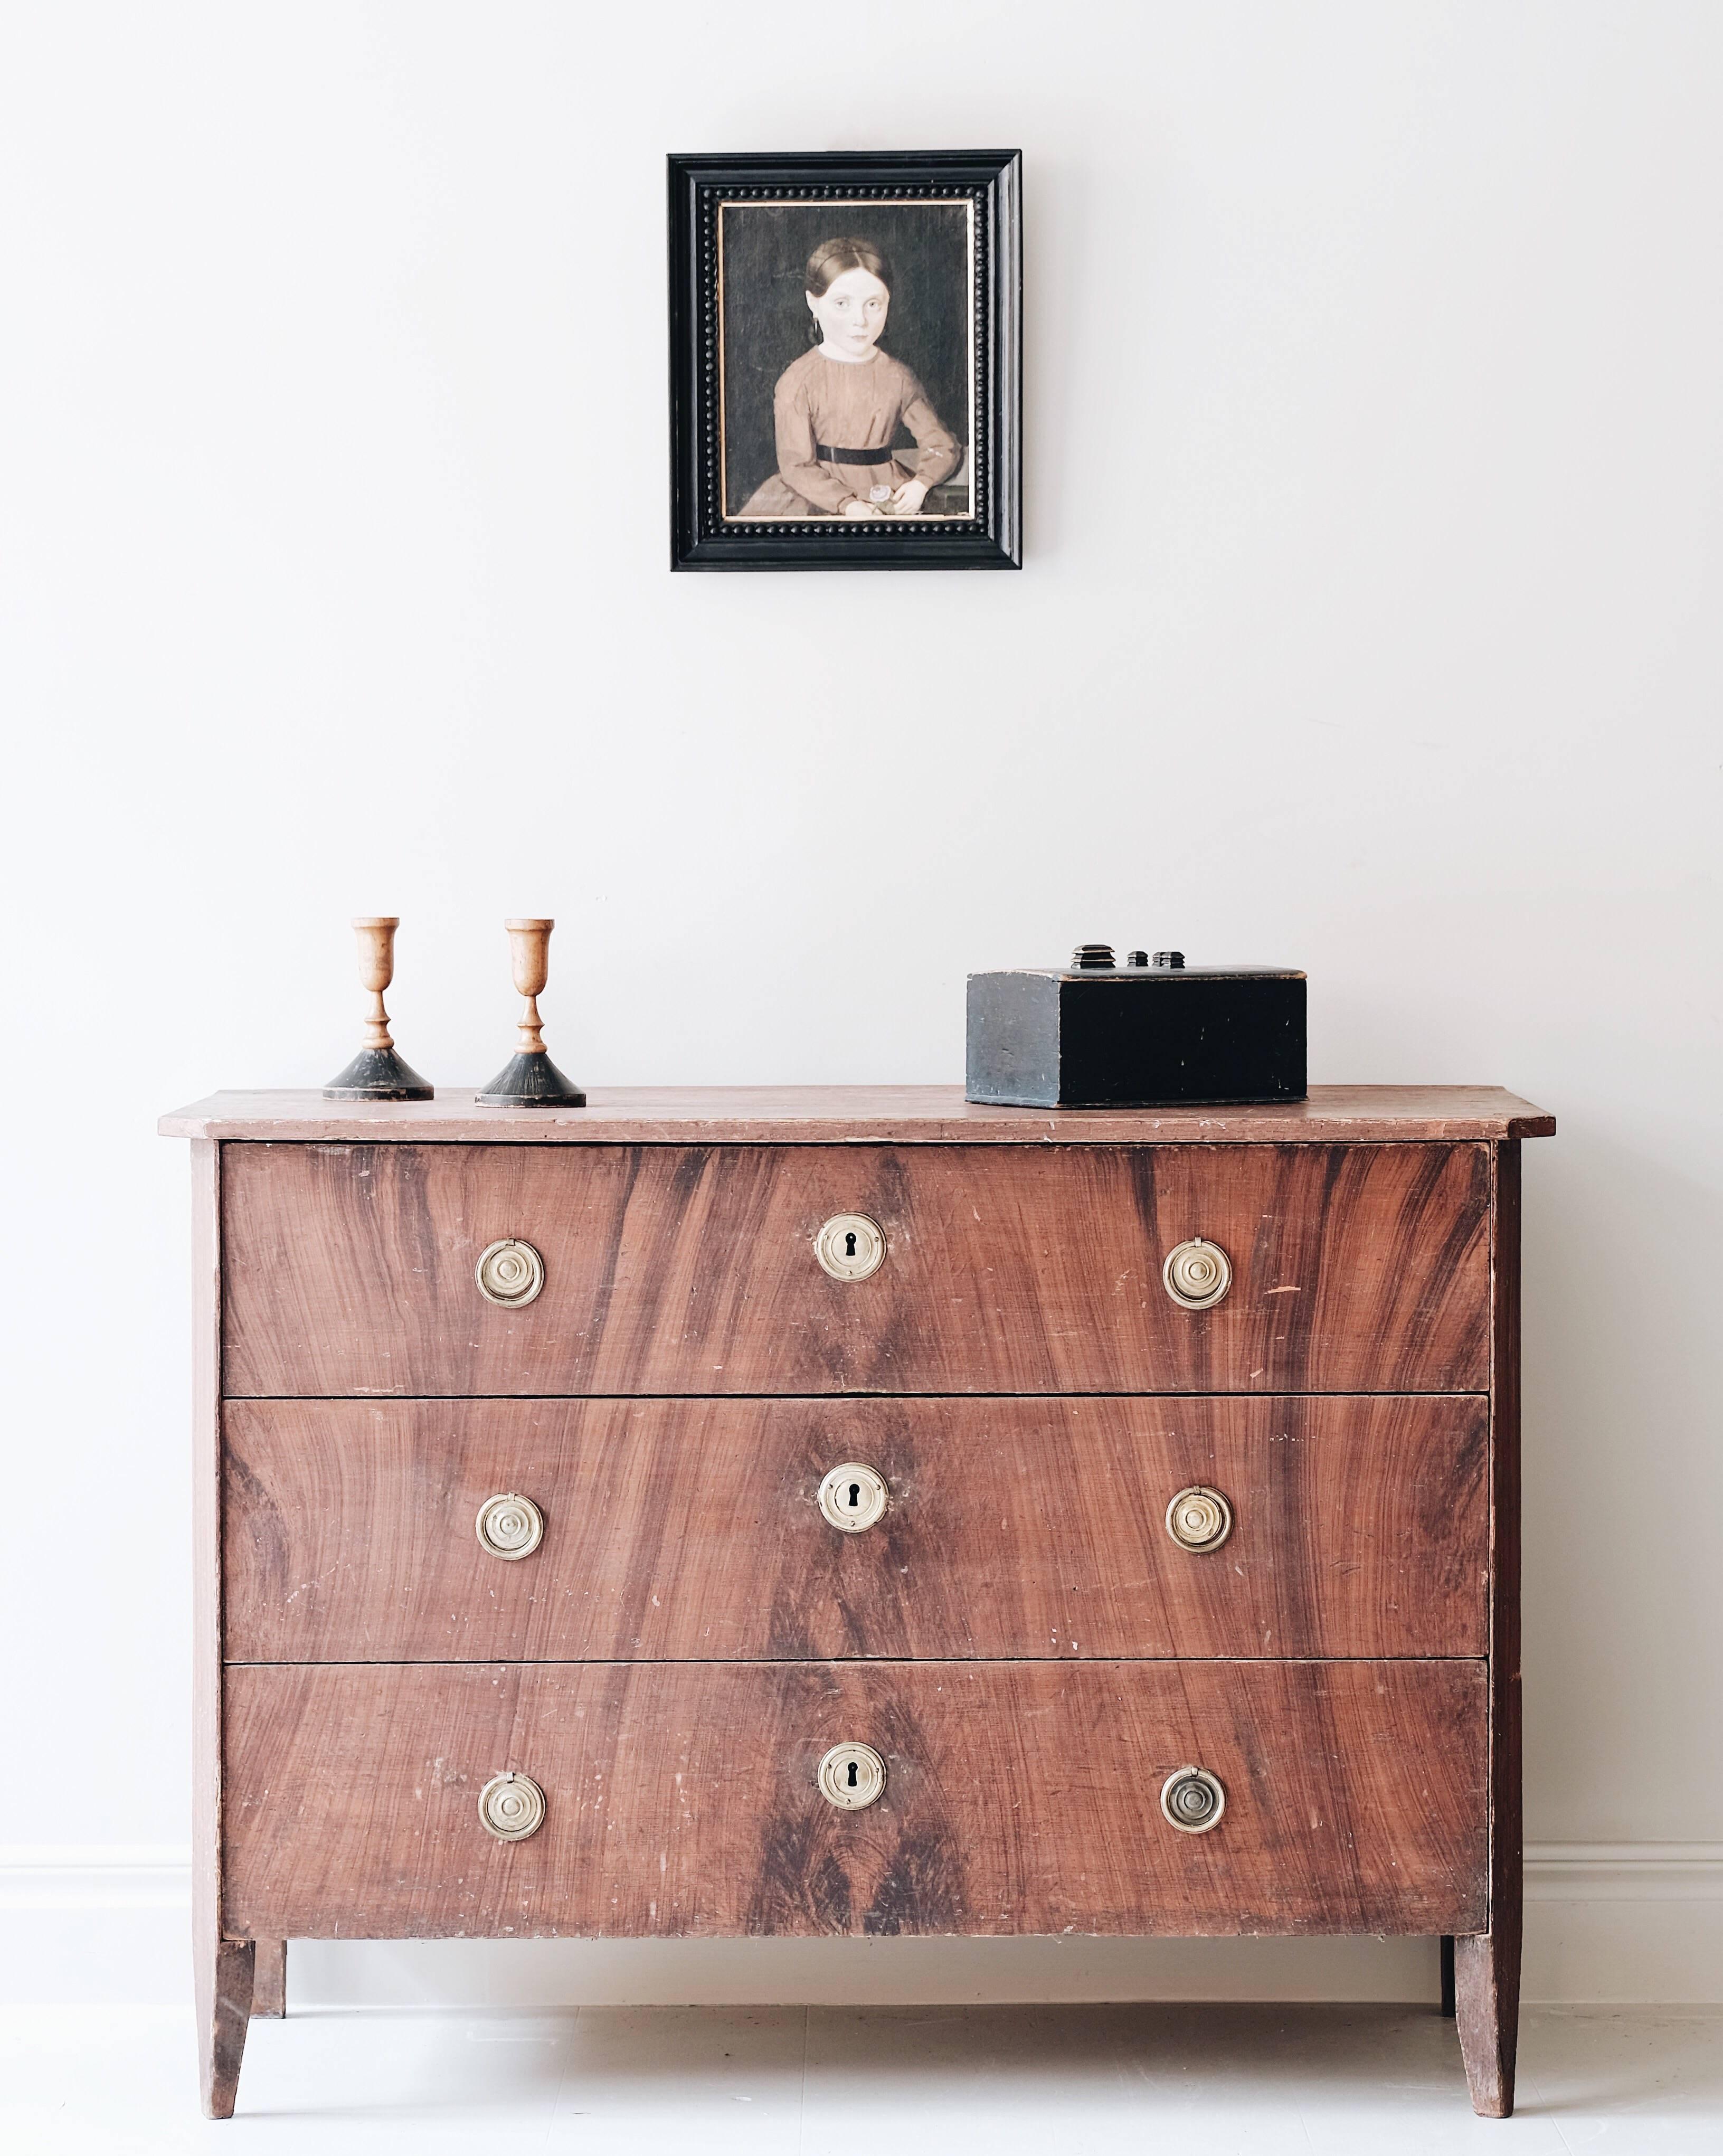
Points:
(1091, 958)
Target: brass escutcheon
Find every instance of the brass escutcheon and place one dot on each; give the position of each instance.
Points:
(854, 1496)
(852, 1776)
(850, 1246)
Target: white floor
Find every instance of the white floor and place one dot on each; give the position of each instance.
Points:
(1078, 2080)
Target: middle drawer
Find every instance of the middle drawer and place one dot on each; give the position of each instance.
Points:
(693, 1530)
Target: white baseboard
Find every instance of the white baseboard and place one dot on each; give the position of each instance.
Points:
(1624, 1872)
(1627, 1923)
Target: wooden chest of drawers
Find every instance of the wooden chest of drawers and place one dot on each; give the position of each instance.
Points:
(529, 1605)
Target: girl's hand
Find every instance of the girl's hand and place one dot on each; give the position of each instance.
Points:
(909, 498)
(858, 508)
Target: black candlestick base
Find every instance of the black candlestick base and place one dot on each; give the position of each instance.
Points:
(531, 1081)
(378, 1074)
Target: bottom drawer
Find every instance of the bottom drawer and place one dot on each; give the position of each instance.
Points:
(1020, 1797)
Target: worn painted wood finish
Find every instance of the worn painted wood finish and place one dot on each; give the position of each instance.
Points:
(222, 1971)
(1356, 1269)
(1368, 1794)
(269, 1985)
(1487, 1967)
(678, 1529)
(870, 1114)
(1022, 1797)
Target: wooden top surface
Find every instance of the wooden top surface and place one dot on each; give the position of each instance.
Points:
(861, 1114)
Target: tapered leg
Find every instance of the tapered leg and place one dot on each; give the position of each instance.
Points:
(1446, 1944)
(1486, 1975)
(221, 1968)
(269, 1985)
(223, 1972)
(1486, 1968)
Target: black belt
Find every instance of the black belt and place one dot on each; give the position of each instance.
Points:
(828, 455)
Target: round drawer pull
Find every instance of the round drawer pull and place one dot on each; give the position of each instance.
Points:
(854, 1496)
(509, 1272)
(1197, 1273)
(511, 1807)
(1199, 1518)
(510, 1527)
(852, 1776)
(850, 1246)
(1191, 1799)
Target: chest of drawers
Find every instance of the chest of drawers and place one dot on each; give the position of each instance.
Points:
(850, 1511)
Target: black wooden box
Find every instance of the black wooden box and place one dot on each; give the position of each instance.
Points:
(1137, 1035)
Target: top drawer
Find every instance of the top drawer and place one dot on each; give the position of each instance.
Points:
(350, 1269)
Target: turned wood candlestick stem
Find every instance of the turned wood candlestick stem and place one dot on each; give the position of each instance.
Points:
(376, 969)
(531, 1080)
(377, 1072)
(530, 948)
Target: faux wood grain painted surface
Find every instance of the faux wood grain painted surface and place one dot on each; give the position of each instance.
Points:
(222, 1975)
(349, 1269)
(1022, 1798)
(875, 1115)
(1487, 1969)
(1018, 1528)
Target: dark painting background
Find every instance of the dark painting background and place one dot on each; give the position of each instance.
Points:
(766, 319)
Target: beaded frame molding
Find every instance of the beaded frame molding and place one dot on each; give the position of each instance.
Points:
(987, 532)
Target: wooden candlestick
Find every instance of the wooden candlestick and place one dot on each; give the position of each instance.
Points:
(377, 1072)
(529, 1079)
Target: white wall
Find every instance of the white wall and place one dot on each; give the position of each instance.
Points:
(1371, 621)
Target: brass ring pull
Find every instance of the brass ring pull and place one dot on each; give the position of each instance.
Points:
(510, 1527)
(509, 1272)
(1192, 1800)
(1197, 1273)
(511, 1807)
(1199, 1518)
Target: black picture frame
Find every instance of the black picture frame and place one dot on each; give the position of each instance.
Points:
(716, 411)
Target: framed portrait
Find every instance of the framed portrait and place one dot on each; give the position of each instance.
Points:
(846, 337)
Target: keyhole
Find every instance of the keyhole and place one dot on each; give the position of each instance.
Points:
(854, 1769)
(849, 1244)
(854, 1495)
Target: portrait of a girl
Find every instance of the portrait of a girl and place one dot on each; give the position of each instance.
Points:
(838, 411)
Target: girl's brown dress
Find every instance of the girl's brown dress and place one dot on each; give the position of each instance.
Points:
(825, 404)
